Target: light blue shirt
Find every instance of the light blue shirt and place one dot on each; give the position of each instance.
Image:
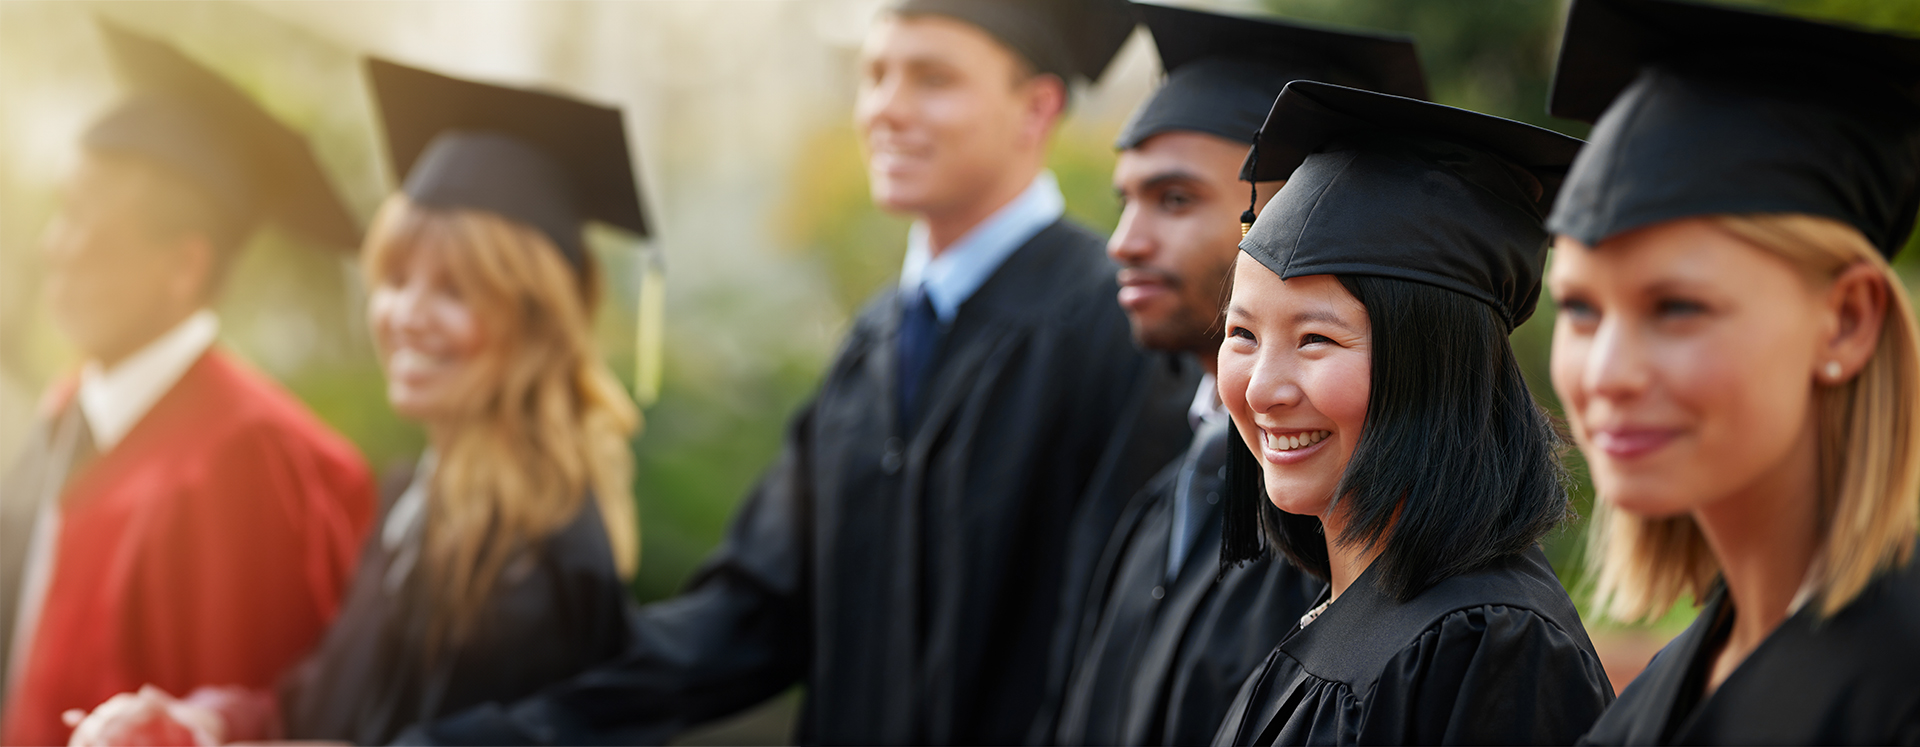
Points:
(951, 278)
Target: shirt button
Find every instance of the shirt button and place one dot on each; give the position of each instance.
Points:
(891, 459)
(1159, 592)
(1213, 498)
(1222, 472)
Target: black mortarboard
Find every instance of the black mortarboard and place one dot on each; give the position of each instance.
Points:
(1223, 72)
(1706, 110)
(1068, 38)
(549, 161)
(1402, 188)
(189, 119)
(1394, 187)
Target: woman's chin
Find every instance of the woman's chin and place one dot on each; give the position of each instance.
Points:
(414, 405)
(1289, 499)
(1647, 499)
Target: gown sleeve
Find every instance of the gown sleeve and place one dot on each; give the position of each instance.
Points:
(268, 542)
(736, 636)
(1488, 675)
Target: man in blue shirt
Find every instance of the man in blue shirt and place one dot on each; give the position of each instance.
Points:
(905, 557)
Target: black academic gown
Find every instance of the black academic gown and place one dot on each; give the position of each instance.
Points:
(1493, 657)
(1851, 679)
(908, 576)
(557, 609)
(1156, 660)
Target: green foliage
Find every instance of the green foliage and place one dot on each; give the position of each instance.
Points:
(1493, 56)
(703, 449)
(1082, 160)
(828, 216)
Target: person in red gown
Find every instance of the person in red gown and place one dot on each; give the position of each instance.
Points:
(177, 519)
(502, 568)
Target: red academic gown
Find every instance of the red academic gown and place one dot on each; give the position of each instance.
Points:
(211, 546)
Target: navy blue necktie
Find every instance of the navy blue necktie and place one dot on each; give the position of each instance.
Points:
(919, 336)
(1190, 505)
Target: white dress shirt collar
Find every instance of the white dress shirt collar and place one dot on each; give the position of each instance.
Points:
(1206, 407)
(113, 401)
(951, 278)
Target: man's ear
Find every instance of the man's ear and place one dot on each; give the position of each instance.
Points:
(194, 278)
(1046, 103)
(1857, 308)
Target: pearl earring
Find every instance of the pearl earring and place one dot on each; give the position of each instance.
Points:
(1832, 370)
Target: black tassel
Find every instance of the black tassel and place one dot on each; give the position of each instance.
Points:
(1241, 538)
(1253, 187)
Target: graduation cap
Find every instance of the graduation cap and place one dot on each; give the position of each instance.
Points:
(1223, 71)
(1702, 110)
(1397, 187)
(1394, 187)
(196, 123)
(546, 160)
(1068, 38)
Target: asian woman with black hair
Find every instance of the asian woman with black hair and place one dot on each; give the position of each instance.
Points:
(1367, 364)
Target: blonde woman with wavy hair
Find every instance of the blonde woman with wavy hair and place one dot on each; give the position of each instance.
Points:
(534, 428)
(502, 568)
(1739, 364)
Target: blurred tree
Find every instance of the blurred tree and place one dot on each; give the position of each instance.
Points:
(828, 216)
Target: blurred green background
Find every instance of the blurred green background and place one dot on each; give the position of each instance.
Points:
(739, 110)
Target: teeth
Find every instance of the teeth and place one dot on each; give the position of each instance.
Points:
(408, 359)
(1295, 442)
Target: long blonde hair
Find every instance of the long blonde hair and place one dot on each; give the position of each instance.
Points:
(548, 422)
(1869, 453)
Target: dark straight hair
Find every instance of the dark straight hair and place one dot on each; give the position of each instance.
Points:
(1456, 467)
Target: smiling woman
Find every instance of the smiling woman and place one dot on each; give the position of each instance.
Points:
(501, 569)
(1367, 362)
(1740, 366)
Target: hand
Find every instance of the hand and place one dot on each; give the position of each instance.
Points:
(148, 717)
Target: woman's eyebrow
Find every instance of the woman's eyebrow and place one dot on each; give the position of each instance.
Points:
(1674, 285)
(1320, 315)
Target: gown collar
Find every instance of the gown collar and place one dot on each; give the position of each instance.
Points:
(114, 400)
(1358, 634)
(951, 278)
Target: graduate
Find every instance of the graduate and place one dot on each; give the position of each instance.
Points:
(176, 519)
(1366, 363)
(502, 568)
(1167, 638)
(1740, 367)
(904, 557)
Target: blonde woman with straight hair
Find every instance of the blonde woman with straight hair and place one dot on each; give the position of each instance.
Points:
(503, 566)
(1739, 365)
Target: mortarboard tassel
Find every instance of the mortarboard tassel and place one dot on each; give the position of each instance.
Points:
(1240, 529)
(1253, 187)
(649, 328)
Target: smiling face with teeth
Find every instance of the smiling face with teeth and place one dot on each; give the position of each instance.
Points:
(1294, 373)
(429, 338)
